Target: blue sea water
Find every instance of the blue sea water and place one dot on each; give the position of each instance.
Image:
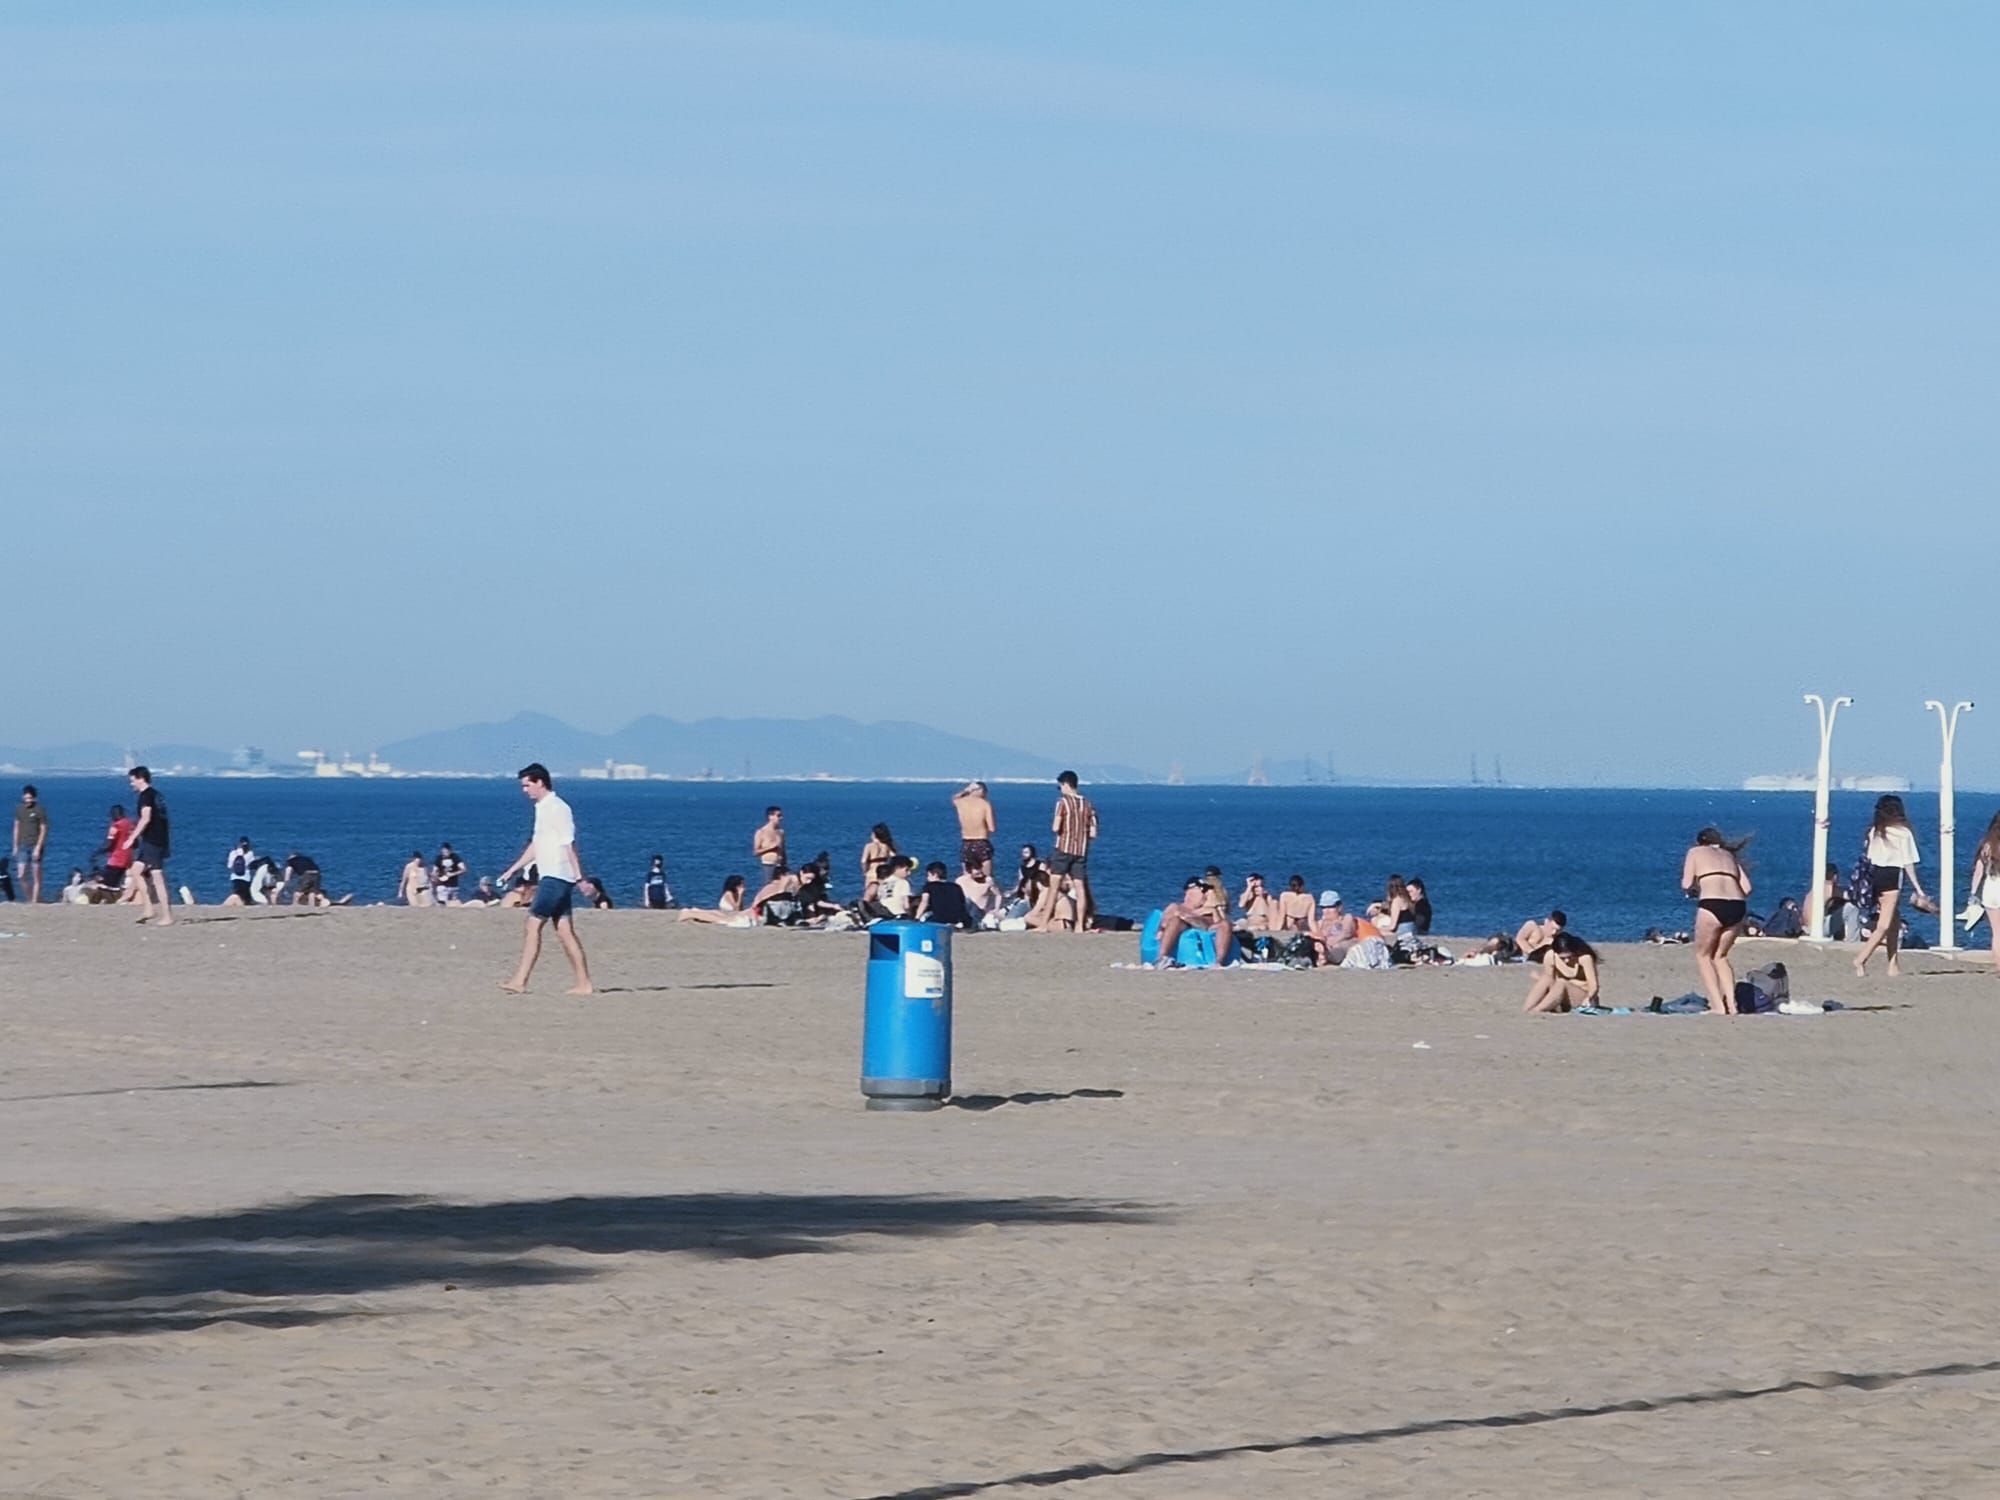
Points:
(1490, 856)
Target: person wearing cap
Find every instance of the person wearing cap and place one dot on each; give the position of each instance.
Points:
(1336, 931)
(1196, 908)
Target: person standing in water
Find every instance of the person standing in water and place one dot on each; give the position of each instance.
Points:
(1891, 852)
(1712, 872)
(552, 850)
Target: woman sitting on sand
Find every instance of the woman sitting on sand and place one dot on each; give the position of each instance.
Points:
(1033, 880)
(1891, 852)
(728, 906)
(1399, 907)
(1568, 977)
(1712, 872)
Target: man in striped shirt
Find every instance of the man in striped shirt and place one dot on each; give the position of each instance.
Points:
(1075, 826)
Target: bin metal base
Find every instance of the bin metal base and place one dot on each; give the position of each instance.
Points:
(906, 1094)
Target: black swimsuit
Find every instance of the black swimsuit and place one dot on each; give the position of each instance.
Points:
(1730, 913)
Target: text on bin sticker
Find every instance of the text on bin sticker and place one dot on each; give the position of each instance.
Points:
(923, 978)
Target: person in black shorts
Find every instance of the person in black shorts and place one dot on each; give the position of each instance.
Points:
(1075, 829)
(151, 843)
(302, 879)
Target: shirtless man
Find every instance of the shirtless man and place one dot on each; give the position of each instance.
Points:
(1196, 908)
(1296, 911)
(767, 846)
(975, 826)
(1260, 909)
(1534, 937)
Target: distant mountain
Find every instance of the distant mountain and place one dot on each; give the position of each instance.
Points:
(830, 746)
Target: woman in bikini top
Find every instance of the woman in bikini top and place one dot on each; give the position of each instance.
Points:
(1721, 910)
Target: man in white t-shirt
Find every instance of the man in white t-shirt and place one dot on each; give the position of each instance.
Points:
(552, 851)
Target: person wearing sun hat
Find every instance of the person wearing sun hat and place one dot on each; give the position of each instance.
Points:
(1337, 929)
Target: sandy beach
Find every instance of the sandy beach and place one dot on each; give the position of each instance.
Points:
(298, 1203)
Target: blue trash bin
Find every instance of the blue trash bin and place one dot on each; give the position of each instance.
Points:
(906, 1036)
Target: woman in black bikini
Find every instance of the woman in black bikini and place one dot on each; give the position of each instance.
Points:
(1713, 874)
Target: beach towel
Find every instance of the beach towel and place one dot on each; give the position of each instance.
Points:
(1369, 953)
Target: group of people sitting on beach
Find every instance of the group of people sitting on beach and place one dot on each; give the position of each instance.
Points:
(892, 890)
(1293, 927)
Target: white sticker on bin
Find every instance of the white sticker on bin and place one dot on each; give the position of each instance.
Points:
(923, 978)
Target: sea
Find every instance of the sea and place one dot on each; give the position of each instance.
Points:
(1490, 856)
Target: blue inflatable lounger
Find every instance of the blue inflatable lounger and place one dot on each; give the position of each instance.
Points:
(1195, 950)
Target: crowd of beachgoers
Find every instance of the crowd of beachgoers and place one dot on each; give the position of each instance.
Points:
(1207, 924)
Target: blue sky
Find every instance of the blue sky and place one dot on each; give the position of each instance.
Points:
(1573, 383)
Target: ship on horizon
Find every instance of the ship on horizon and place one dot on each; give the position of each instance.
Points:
(1796, 782)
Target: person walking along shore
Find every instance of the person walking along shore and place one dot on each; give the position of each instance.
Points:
(1890, 855)
(151, 844)
(552, 850)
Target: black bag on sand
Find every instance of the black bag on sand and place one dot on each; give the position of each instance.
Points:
(1763, 989)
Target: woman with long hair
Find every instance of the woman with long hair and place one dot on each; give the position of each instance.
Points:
(1986, 883)
(1399, 907)
(1891, 852)
(881, 845)
(728, 907)
(1712, 873)
(1568, 980)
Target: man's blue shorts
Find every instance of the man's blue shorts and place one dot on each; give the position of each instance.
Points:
(552, 898)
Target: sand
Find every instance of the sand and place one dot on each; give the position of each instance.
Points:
(303, 1205)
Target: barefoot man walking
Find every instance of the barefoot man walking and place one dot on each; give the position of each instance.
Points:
(552, 851)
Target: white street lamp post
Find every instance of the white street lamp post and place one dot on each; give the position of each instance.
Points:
(1816, 903)
(1947, 830)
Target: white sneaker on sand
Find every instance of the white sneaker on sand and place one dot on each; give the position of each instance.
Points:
(1801, 1008)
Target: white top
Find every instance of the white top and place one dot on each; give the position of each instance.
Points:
(555, 831)
(894, 894)
(1896, 847)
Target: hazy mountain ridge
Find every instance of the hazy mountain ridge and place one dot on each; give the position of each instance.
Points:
(832, 745)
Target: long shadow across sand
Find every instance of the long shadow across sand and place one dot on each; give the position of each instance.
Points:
(1873, 1380)
(73, 1275)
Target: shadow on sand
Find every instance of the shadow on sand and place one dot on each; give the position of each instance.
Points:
(149, 1088)
(71, 1275)
(994, 1101)
(1075, 1473)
